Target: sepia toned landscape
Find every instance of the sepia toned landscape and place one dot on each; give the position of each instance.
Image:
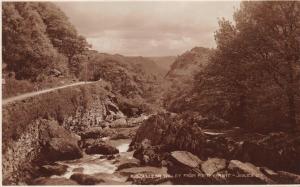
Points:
(143, 93)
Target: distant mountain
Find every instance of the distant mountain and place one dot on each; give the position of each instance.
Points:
(189, 63)
(164, 62)
(148, 65)
(179, 80)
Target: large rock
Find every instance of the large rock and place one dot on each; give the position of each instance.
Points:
(59, 143)
(185, 167)
(168, 129)
(54, 169)
(186, 158)
(284, 177)
(101, 148)
(53, 181)
(86, 179)
(62, 149)
(247, 173)
(213, 165)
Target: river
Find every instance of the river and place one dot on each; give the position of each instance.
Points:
(95, 164)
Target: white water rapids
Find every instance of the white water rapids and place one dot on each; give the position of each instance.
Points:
(92, 164)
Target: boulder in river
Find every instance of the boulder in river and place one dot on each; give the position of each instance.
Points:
(62, 149)
(101, 148)
(54, 169)
(84, 179)
(59, 143)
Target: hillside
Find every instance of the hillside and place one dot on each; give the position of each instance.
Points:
(134, 78)
(189, 63)
(180, 78)
(164, 62)
(41, 48)
(51, 53)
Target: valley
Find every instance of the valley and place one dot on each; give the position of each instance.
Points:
(72, 115)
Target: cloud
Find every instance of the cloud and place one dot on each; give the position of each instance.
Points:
(147, 28)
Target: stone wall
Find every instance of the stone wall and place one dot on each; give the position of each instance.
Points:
(75, 109)
(17, 156)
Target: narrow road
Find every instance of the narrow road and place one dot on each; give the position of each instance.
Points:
(31, 94)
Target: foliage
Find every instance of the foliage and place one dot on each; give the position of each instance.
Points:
(256, 64)
(38, 37)
(253, 77)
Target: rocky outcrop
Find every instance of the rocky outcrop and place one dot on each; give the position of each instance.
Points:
(167, 129)
(102, 112)
(26, 132)
(178, 132)
(44, 141)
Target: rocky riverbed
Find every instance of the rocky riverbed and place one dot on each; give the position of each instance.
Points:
(106, 159)
(116, 158)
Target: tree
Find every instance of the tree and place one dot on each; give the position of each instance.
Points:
(63, 35)
(26, 50)
(271, 31)
(262, 47)
(38, 37)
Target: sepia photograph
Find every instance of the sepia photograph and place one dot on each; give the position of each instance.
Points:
(150, 92)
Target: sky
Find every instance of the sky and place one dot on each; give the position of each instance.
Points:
(148, 28)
